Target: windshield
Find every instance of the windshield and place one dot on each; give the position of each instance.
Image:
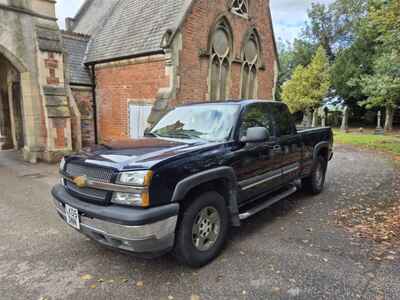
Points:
(207, 122)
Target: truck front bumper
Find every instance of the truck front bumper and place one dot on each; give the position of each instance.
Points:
(145, 232)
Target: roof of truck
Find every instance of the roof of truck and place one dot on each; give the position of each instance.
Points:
(233, 102)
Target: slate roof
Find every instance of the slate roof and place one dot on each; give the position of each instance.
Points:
(136, 27)
(92, 15)
(75, 45)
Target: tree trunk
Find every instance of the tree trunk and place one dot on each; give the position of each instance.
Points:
(315, 118)
(389, 118)
(345, 119)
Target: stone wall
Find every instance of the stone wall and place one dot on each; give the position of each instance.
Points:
(84, 99)
(30, 41)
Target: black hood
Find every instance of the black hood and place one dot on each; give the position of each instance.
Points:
(140, 153)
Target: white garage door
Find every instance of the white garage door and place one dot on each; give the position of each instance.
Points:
(138, 115)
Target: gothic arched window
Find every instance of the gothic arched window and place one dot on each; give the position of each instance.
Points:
(240, 7)
(220, 49)
(250, 57)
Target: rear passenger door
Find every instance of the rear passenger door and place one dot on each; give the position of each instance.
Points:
(290, 142)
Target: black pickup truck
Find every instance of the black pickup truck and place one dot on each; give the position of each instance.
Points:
(200, 170)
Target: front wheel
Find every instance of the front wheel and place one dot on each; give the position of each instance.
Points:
(316, 181)
(203, 230)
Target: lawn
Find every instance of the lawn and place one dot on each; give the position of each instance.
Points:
(388, 143)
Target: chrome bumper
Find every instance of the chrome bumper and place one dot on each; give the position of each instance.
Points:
(149, 239)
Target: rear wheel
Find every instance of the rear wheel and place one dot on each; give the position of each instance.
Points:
(316, 181)
(203, 230)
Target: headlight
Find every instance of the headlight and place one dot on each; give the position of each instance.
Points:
(62, 164)
(138, 178)
(134, 178)
(131, 199)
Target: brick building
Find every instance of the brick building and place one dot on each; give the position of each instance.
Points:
(130, 60)
(120, 64)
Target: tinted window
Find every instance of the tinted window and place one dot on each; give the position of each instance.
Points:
(283, 119)
(256, 115)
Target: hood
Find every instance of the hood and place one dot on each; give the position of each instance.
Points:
(136, 154)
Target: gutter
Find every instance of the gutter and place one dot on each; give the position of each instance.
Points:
(94, 106)
(149, 53)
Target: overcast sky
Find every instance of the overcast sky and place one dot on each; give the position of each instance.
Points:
(288, 15)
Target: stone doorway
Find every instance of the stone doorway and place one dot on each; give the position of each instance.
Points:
(11, 110)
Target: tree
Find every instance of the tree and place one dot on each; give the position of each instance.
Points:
(334, 26)
(291, 56)
(309, 85)
(383, 86)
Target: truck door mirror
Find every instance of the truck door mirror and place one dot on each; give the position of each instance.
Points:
(255, 135)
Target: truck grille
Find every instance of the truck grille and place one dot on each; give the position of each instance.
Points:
(93, 173)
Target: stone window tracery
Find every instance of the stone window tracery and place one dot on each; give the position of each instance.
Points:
(250, 57)
(220, 52)
(240, 7)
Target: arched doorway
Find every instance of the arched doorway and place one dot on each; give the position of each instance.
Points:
(11, 110)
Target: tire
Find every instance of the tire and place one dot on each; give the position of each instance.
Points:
(316, 181)
(202, 230)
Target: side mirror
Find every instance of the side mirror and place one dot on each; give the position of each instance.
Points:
(255, 135)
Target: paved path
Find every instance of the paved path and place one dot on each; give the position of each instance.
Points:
(292, 251)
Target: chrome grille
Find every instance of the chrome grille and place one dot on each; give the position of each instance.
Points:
(88, 193)
(95, 173)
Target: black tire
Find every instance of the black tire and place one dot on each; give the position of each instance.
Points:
(185, 249)
(316, 181)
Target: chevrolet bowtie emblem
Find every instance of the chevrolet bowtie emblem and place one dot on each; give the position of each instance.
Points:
(80, 181)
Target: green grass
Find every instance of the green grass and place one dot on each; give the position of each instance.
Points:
(388, 143)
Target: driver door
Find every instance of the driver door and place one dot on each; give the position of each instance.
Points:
(259, 164)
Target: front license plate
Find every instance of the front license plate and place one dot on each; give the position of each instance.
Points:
(72, 216)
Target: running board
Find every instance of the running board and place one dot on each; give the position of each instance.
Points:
(264, 205)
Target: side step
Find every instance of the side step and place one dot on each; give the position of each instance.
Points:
(264, 205)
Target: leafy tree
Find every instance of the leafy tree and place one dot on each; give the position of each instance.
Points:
(309, 85)
(291, 56)
(352, 63)
(383, 86)
(333, 26)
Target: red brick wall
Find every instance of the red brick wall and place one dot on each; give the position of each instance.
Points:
(83, 98)
(194, 70)
(124, 82)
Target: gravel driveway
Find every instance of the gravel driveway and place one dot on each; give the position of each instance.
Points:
(293, 250)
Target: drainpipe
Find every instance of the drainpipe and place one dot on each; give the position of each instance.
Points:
(94, 106)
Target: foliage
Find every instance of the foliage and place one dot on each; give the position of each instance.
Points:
(350, 64)
(291, 56)
(334, 26)
(309, 85)
(383, 86)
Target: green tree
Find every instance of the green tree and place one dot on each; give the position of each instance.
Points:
(309, 85)
(383, 86)
(291, 56)
(352, 63)
(334, 26)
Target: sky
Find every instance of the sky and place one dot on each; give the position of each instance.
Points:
(288, 15)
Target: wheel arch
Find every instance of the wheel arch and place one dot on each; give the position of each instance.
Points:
(222, 180)
(321, 148)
